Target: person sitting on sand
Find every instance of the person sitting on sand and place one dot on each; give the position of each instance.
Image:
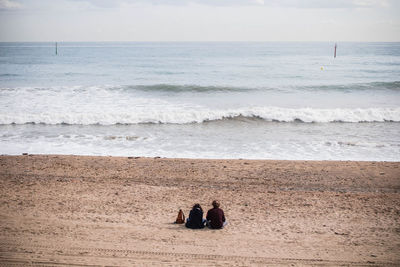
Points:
(195, 220)
(215, 216)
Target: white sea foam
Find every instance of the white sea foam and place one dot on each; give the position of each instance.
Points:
(236, 139)
(184, 115)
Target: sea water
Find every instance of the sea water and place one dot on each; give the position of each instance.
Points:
(202, 100)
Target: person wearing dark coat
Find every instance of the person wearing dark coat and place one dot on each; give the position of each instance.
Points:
(216, 217)
(195, 220)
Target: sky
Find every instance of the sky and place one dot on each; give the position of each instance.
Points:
(200, 20)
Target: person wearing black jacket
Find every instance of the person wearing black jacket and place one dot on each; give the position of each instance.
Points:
(195, 220)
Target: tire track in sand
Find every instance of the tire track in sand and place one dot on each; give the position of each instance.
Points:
(149, 255)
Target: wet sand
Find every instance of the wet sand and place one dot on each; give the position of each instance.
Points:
(78, 210)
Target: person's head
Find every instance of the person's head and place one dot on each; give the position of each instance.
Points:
(215, 204)
(197, 206)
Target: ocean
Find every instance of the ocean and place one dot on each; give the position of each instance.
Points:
(290, 100)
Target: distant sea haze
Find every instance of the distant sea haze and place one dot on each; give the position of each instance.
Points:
(202, 100)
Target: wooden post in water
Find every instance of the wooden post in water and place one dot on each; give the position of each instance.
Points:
(56, 49)
(335, 50)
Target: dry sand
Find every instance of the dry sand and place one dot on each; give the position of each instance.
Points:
(74, 210)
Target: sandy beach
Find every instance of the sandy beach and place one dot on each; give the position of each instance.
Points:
(119, 211)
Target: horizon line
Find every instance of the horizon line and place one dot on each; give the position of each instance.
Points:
(199, 41)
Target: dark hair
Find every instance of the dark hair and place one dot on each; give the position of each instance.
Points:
(197, 206)
(215, 204)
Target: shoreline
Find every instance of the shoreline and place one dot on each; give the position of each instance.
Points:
(200, 159)
(66, 209)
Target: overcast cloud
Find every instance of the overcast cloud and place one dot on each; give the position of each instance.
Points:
(276, 3)
(199, 20)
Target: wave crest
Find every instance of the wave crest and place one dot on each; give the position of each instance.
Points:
(195, 88)
(187, 116)
(175, 88)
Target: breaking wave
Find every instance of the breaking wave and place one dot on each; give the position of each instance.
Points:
(185, 88)
(176, 88)
(187, 116)
(395, 85)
